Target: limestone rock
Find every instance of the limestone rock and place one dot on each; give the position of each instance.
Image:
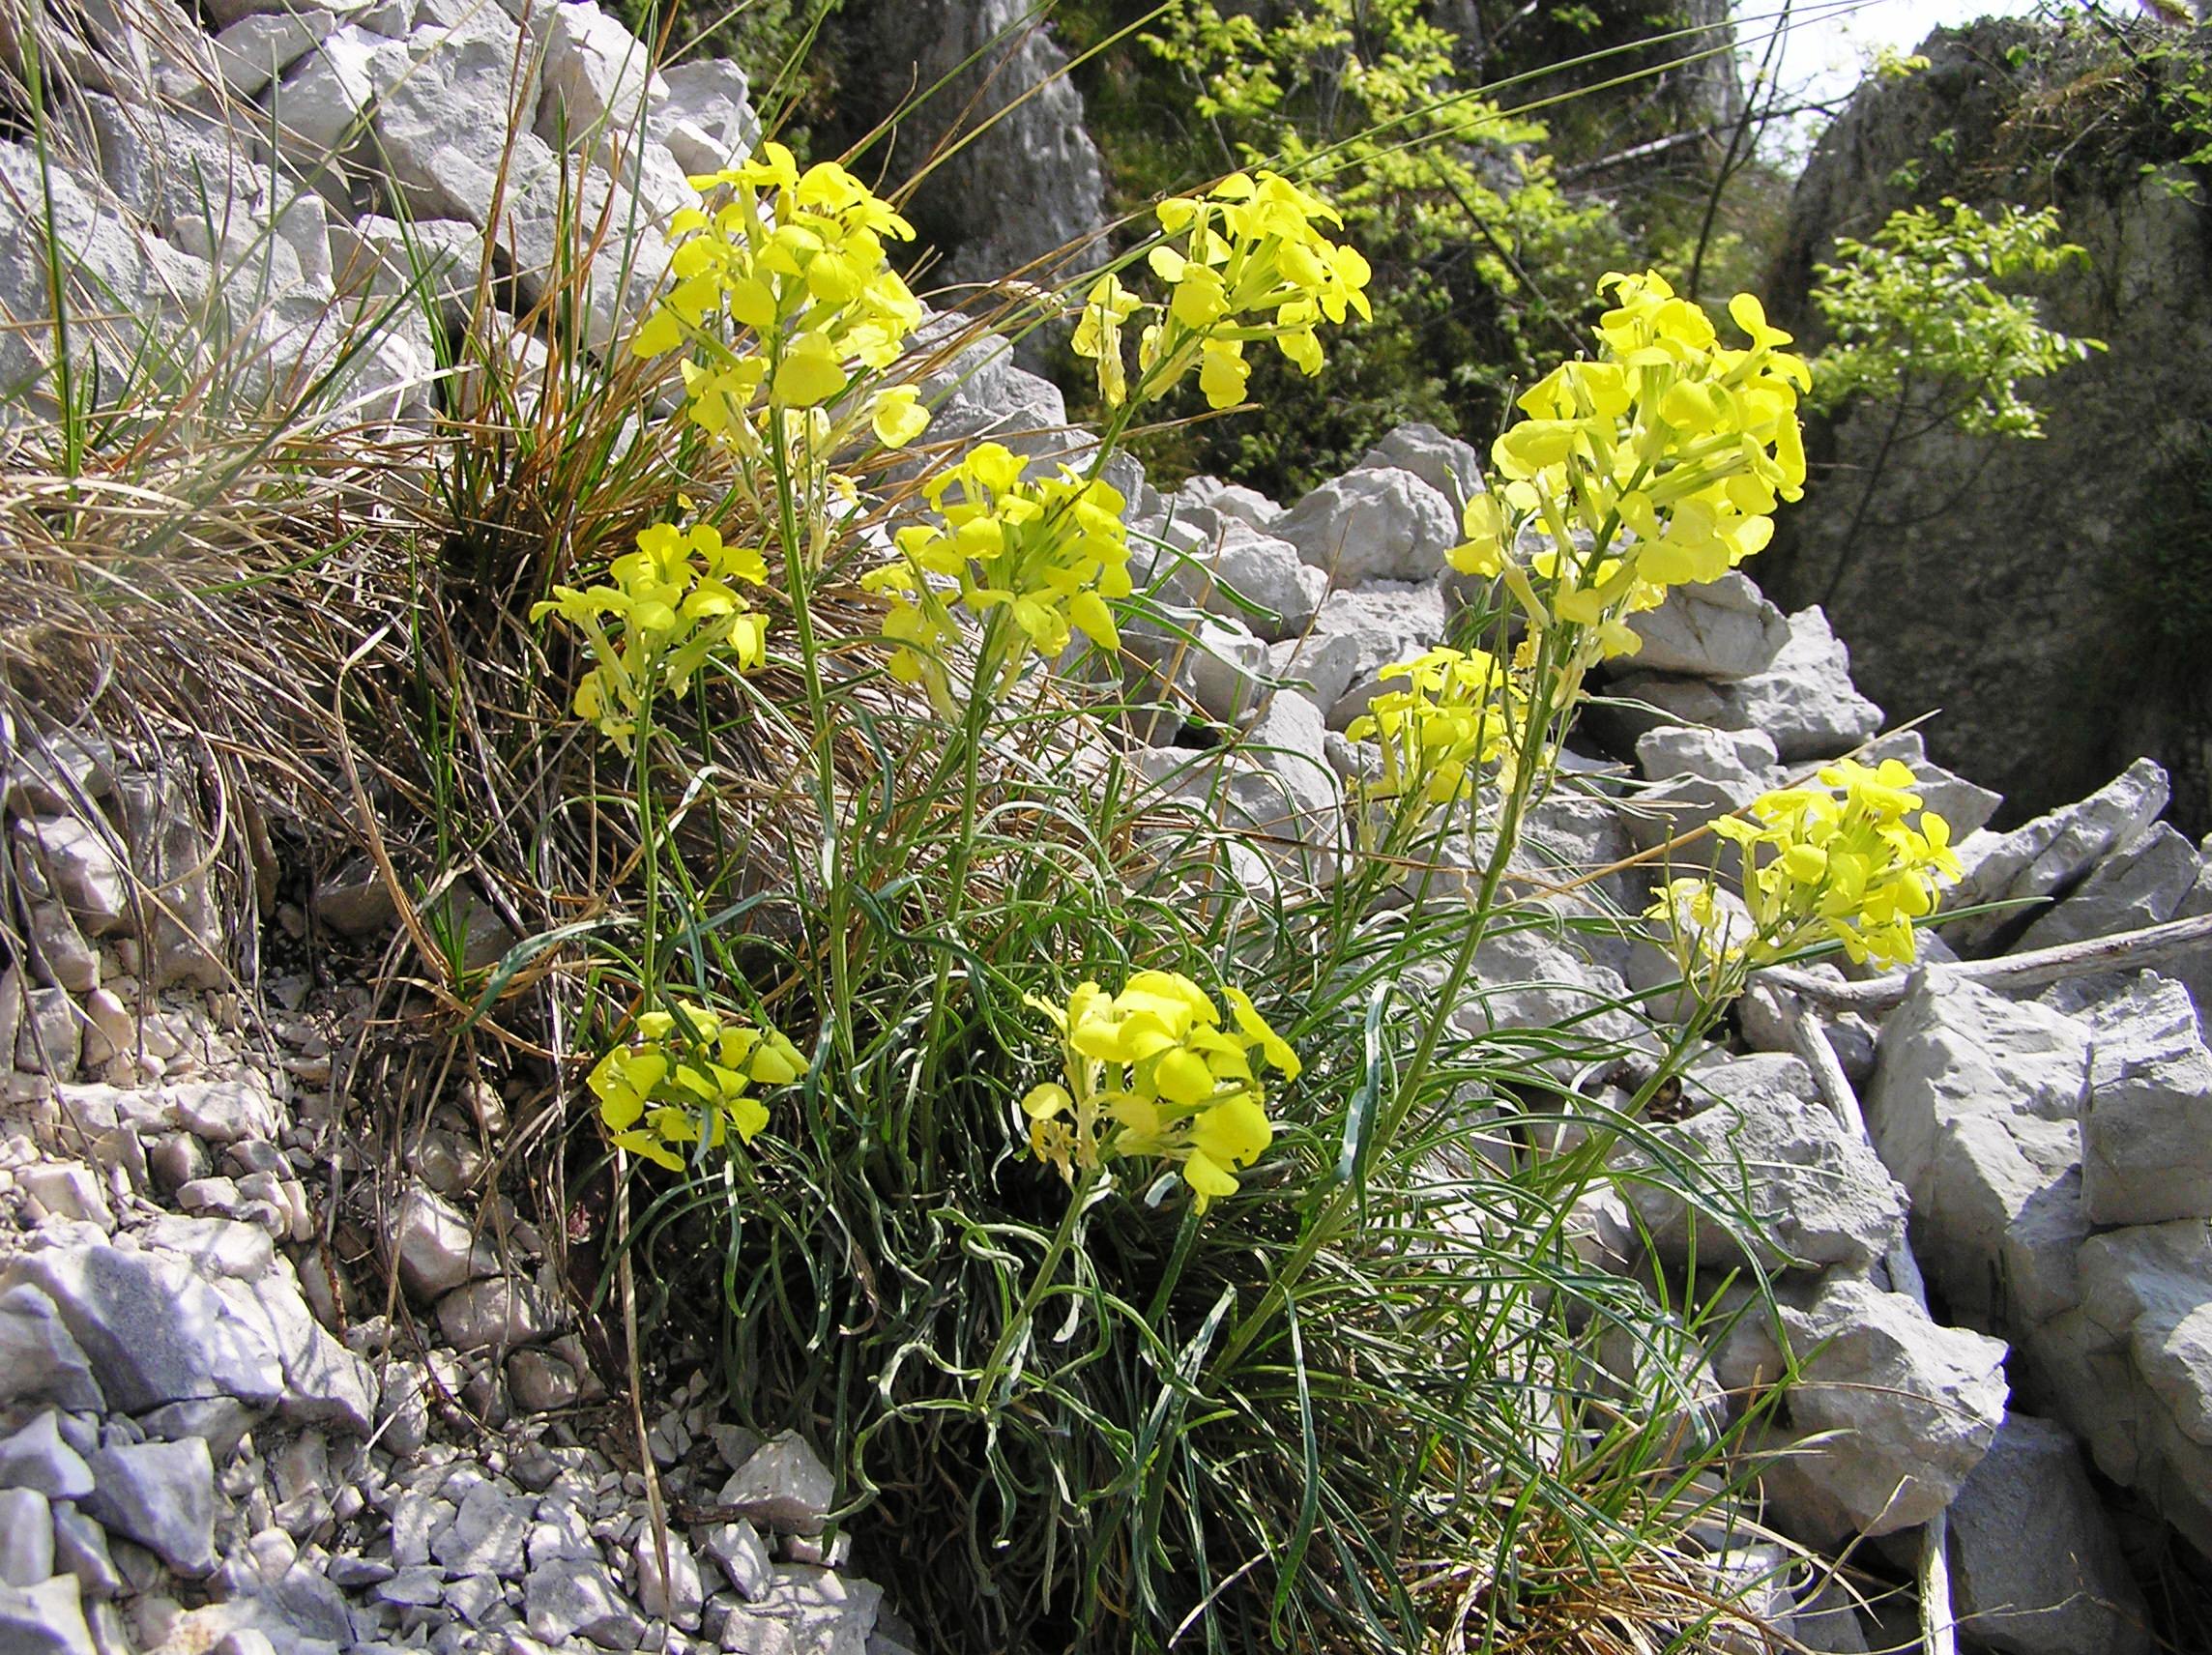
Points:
(436, 1247)
(80, 867)
(1815, 1195)
(2051, 852)
(162, 1495)
(1892, 1416)
(566, 1598)
(1209, 663)
(26, 1537)
(2130, 1369)
(36, 1457)
(2143, 883)
(256, 49)
(2035, 1566)
(2146, 1134)
(598, 78)
(1019, 119)
(153, 1331)
(706, 117)
(785, 1485)
(1974, 1105)
(1356, 633)
(1723, 630)
(1252, 577)
(1803, 699)
(677, 1596)
(1379, 523)
(45, 1619)
(739, 1550)
(1449, 466)
(499, 1311)
(1713, 755)
(40, 1360)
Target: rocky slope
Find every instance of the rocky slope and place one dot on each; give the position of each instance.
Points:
(272, 1378)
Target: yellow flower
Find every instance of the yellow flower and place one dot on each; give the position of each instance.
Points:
(1460, 712)
(687, 1077)
(1837, 861)
(797, 262)
(1099, 335)
(1657, 464)
(669, 609)
(1050, 550)
(1152, 1073)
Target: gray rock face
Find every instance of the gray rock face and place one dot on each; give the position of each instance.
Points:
(2033, 707)
(2144, 882)
(40, 1359)
(2131, 1368)
(1355, 635)
(154, 1332)
(1376, 523)
(437, 1249)
(820, 1610)
(785, 1485)
(597, 78)
(2052, 853)
(26, 1537)
(1447, 465)
(1723, 630)
(162, 1495)
(739, 1550)
(36, 1457)
(1039, 154)
(499, 1311)
(568, 1598)
(2146, 1135)
(1710, 755)
(46, 1619)
(1816, 1195)
(705, 118)
(1913, 1407)
(1804, 699)
(1974, 1105)
(487, 1534)
(1206, 664)
(80, 867)
(2036, 1568)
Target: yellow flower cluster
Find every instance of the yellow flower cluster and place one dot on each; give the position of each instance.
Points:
(1254, 266)
(1151, 1072)
(1461, 710)
(797, 260)
(1656, 465)
(687, 1075)
(1835, 862)
(664, 611)
(1050, 549)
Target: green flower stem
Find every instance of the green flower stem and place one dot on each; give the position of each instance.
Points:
(1064, 1238)
(1344, 1204)
(798, 583)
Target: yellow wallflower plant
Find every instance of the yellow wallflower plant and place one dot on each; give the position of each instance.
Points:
(688, 1076)
(783, 292)
(1460, 712)
(1050, 550)
(1837, 862)
(1657, 464)
(1152, 1073)
(1253, 266)
(664, 611)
